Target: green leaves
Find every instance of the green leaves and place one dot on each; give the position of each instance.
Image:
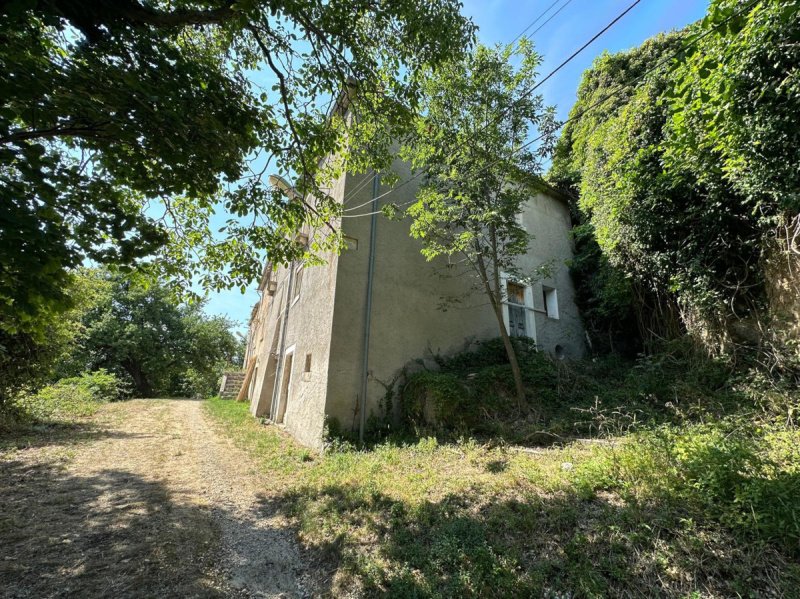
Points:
(124, 126)
(684, 176)
(470, 143)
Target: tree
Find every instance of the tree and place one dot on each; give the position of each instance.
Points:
(124, 125)
(680, 151)
(140, 333)
(477, 115)
(29, 359)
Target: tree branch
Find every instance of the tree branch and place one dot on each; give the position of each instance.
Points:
(67, 131)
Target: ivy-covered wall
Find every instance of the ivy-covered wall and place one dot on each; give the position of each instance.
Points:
(684, 158)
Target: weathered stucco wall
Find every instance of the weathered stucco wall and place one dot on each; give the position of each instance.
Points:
(307, 336)
(406, 321)
(328, 318)
(407, 291)
(548, 220)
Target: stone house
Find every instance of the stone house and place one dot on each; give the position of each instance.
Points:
(325, 341)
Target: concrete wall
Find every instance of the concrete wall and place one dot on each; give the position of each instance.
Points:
(308, 331)
(548, 220)
(407, 292)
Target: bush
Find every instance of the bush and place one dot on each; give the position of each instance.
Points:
(742, 475)
(437, 398)
(605, 396)
(70, 398)
(474, 387)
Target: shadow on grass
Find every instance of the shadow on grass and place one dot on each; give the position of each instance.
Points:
(109, 535)
(564, 545)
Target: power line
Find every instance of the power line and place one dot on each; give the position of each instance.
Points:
(532, 89)
(577, 52)
(536, 20)
(351, 194)
(608, 96)
(553, 16)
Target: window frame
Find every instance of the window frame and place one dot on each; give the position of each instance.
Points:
(550, 298)
(528, 306)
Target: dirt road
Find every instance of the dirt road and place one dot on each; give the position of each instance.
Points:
(147, 501)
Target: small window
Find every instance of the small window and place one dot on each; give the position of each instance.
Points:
(298, 283)
(550, 301)
(307, 366)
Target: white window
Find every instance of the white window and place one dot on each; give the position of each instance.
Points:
(517, 325)
(298, 283)
(518, 308)
(550, 301)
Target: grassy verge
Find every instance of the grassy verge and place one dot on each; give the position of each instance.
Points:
(701, 510)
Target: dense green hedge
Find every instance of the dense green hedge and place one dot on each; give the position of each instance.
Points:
(684, 155)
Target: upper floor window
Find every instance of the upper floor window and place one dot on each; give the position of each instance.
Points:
(297, 283)
(550, 296)
(517, 317)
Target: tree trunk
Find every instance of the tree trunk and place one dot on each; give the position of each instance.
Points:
(512, 357)
(496, 299)
(140, 382)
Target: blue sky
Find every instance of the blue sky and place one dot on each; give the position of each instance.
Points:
(500, 21)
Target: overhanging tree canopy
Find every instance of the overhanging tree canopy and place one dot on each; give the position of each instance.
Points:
(123, 123)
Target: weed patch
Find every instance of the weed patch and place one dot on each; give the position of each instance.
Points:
(64, 401)
(706, 509)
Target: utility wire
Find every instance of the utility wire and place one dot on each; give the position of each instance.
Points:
(576, 53)
(364, 183)
(525, 93)
(602, 100)
(553, 16)
(537, 19)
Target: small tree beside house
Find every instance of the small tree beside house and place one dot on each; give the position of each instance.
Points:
(471, 143)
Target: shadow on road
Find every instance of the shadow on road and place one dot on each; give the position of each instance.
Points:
(110, 535)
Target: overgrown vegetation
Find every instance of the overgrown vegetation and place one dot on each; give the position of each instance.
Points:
(685, 505)
(470, 393)
(64, 401)
(125, 326)
(678, 153)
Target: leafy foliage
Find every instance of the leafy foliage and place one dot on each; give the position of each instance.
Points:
(677, 175)
(478, 113)
(124, 126)
(45, 353)
(70, 398)
(735, 99)
(129, 326)
(138, 332)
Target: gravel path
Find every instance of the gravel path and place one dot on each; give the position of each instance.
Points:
(150, 501)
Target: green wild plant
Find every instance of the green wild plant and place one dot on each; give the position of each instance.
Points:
(477, 114)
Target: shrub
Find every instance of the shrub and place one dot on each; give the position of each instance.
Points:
(474, 386)
(69, 398)
(436, 398)
(743, 476)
